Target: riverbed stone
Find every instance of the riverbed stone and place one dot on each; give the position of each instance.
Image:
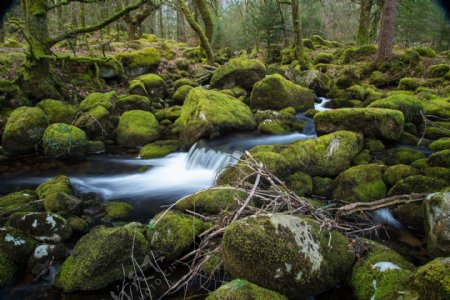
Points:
(287, 254)
(395, 173)
(18, 201)
(276, 92)
(417, 184)
(320, 83)
(150, 85)
(181, 93)
(132, 102)
(139, 62)
(440, 159)
(409, 105)
(101, 257)
(58, 111)
(432, 280)
(137, 128)
(207, 113)
(437, 223)
(98, 99)
(117, 210)
(65, 141)
(159, 149)
(243, 290)
(379, 123)
(400, 155)
(16, 245)
(95, 122)
(43, 256)
(24, 130)
(238, 72)
(57, 194)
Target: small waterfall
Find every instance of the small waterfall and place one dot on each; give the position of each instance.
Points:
(384, 216)
(202, 157)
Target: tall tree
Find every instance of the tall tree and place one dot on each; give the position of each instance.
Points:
(387, 30)
(202, 8)
(363, 34)
(204, 42)
(134, 21)
(298, 41)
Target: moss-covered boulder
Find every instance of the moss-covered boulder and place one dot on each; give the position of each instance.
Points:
(408, 84)
(385, 124)
(410, 106)
(438, 70)
(211, 201)
(132, 102)
(101, 257)
(57, 195)
(382, 274)
(159, 149)
(274, 122)
(300, 183)
(327, 155)
(276, 92)
(320, 83)
(358, 53)
(395, 173)
(400, 155)
(243, 290)
(208, 113)
(95, 122)
(139, 62)
(7, 270)
(18, 201)
(137, 128)
(437, 223)
(173, 233)
(184, 81)
(287, 254)
(61, 140)
(440, 159)
(117, 210)
(324, 58)
(98, 99)
(58, 111)
(24, 130)
(150, 85)
(433, 279)
(360, 184)
(16, 245)
(181, 93)
(45, 227)
(417, 184)
(440, 144)
(238, 72)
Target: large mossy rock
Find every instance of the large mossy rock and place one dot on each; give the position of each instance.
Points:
(243, 290)
(150, 85)
(238, 72)
(440, 159)
(395, 173)
(210, 113)
(132, 102)
(385, 124)
(57, 195)
(18, 201)
(102, 257)
(95, 122)
(437, 223)
(58, 111)
(24, 130)
(326, 156)
(45, 227)
(360, 184)
(65, 141)
(440, 144)
(137, 128)
(382, 274)
(159, 149)
(409, 105)
(276, 92)
(98, 99)
(417, 184)
(433, 279)
(7, 270)
(320, 83)
(16, 245)
(181, 93)
(139, 62)
(400, 155)
(173, 233)
(287, 254)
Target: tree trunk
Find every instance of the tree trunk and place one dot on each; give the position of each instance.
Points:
(181, 30)
(2, 30)
(298, 41)
(375, 23)
(206, 17)
(200, 33)
(387, 30)
(283, 24)
(363, 35)
(161, 21)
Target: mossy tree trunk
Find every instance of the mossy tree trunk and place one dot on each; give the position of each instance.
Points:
(181, 30)
(298, 41)
(135, 21)
(202, 8)
(375, 21)
(161, 21)
(363, 35)
(387, 30)
(204, 42)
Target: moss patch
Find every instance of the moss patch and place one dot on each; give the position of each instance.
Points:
(243, 290)
(137, 128)
(58, 111)
(65, 141)
(238, 72)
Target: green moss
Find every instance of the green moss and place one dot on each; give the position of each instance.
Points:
(95, 122)
(65, 141)
(426, 52)
(90, 267)
(379, 79)
(308, 44)
(171, 113)
(362, 158)
(433, 279)
(78, 224)
(395, 173)
(409, 58)
(347, 77)
(440, 159)
(137, 128)
(324, 58)
(373, 145)
(276, 92)
(24, 130)
(417, 184)
(184, 81)
(378, 123)
(132, 102)
(272, 127)
(439, 107)
(172, 233)
(322, 186)
(410, 106)
(320, 41)
(96, 147)
(438, 70)
(440, 130)
(320, 83)
(159, 149)
(243, 290)
(420, 163)
(117, 210)
(360, 184)
(17, 201)
(98, 99)
(150, 85)
(285, 253)
(390, 283)
(181, 93)
(440, 144)
(58, 111)
(16, 245)
(207, 113)
(140, 61)
(365, 93)
(300, 183)
(359, 53)
(437, 172)
(55, 185)
(408, 83)
(401, 155)
(238, 72)
(211, 201)
(7, 270)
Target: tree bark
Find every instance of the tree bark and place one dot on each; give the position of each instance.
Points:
(200, 33)
(161, 22)
(387, 30)
(202, 8)
(363, 35)
(298, 41)
(181, 30)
